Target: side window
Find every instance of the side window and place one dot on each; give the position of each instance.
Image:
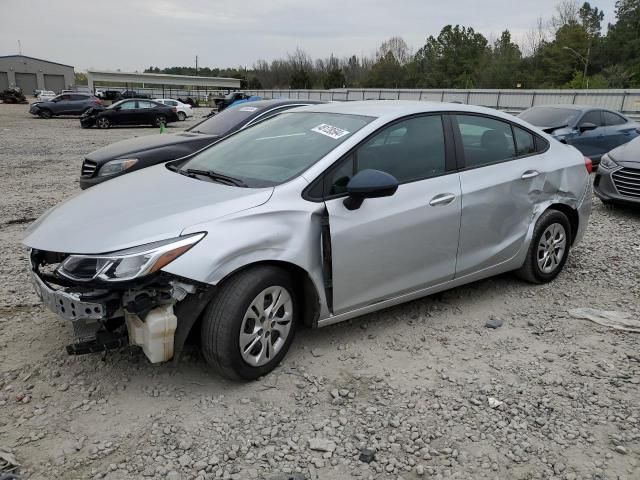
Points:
(142, 104)
(485, 140)
(128, 106)
(410, 150)
(611, 118)
(595, 117)
(66, 98)
(525, 144)
(76, 98)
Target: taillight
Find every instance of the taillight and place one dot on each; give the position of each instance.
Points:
(97, 101)
(588, 164)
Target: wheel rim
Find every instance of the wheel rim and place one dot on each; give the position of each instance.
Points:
(551, 248)
(159, 120)
(182, 116)
(266, 326)
(103, 122)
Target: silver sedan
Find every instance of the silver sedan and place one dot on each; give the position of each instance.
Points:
(315, 216)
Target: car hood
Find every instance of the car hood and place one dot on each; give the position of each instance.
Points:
(147, 142)
(627, 153)
(142, 207)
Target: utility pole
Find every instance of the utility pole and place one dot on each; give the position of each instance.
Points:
(19, 47)
(584, 60)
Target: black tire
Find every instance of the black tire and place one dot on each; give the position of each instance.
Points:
(182, 116)
(530, 270)
(103, 122)
(223, 318)
(159, 120)
(45, 113)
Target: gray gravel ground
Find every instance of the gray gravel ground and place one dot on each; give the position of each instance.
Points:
(423, 390)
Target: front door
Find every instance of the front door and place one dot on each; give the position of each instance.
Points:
(591, 143)
(128, 113)
(398, 244)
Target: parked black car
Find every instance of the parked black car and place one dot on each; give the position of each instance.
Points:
(134, 94)
(65, 104)
(129, 112)
(618, 178)
(137, 153)
(593, 131)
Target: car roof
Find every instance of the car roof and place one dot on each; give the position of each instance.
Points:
(279, 102)
(398, 108)
(570, 106)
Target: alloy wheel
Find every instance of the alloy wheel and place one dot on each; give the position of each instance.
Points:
(102, 123)
(266, 326)
(551, 248)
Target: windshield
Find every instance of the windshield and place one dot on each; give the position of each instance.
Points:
(224, 122)
(550, 116)
(115, 104)
(278, 149)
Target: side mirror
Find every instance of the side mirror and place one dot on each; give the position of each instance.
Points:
(585, 127)
(369, 184)
(118, 107)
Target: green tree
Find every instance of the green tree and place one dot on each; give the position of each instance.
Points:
(452, 60)
(503, 66)
(385, 73)
(623, 39)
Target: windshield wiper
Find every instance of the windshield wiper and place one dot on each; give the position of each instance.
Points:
(219, 177)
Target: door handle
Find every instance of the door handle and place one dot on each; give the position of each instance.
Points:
(530, 174)
(442, 199)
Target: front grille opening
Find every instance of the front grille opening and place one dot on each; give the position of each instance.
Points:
(627, 182)
(89, 168)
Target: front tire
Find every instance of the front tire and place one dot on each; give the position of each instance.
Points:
(103, 122)
(250, 324)
(45, 113)
(549, 248)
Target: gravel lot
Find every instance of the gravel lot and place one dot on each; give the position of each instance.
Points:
(423, 390)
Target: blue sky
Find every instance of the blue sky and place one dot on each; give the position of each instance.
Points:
(134, 34)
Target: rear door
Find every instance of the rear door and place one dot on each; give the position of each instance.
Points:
(146, 112)
(402, 243)
(620, 130)
(502, 178)
(78, 104)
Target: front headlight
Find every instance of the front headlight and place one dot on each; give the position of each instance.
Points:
(127, 264)
(607, 162)
(116, 166)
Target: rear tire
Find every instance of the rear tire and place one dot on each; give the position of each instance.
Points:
(159, 120)
(182, 116)
(242, 336)
(103, 122)
(549, 248)
(45, 113)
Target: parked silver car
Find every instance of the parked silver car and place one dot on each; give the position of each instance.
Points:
(312, 217)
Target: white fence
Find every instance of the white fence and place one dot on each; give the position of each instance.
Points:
(625, 101)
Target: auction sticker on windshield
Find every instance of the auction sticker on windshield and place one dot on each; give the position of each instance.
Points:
(248, 109)
(330, 131)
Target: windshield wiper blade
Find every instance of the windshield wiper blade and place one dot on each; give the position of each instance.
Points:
(215, 176)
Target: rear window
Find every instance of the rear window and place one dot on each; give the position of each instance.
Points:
(550, 116)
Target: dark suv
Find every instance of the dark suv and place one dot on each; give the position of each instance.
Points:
(65, 104)
(134, 94)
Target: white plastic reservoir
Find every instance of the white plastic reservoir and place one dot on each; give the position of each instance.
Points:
(155, 334)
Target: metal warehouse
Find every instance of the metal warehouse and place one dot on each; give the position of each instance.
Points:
(31, 74)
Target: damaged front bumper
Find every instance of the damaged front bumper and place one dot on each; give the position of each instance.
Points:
(155, 312)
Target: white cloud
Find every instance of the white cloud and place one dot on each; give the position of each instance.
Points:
(134, 34)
